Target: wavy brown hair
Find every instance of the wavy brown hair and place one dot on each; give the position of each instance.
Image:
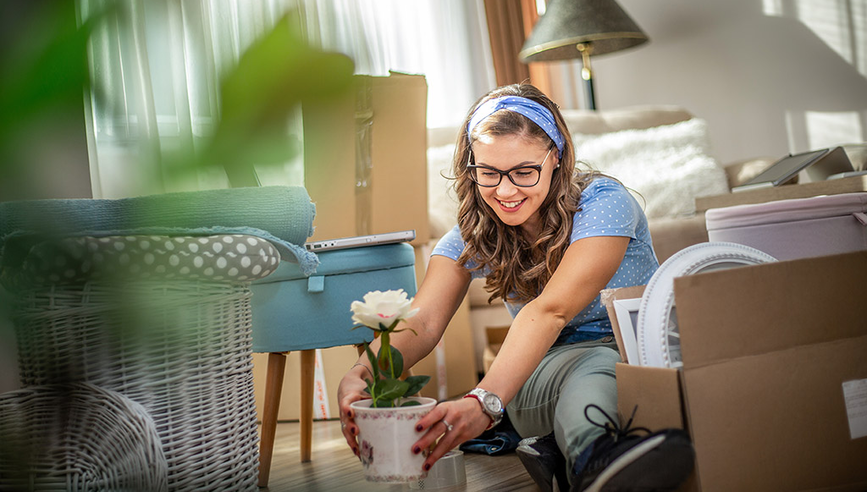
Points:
(518, 268)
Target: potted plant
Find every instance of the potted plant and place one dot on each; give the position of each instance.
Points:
(386, 421)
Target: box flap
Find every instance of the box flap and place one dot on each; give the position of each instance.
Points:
(754, 310)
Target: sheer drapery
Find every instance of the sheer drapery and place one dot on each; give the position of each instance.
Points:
(156, 68)
(445, 40)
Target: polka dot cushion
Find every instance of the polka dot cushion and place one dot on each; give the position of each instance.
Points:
(221, 258)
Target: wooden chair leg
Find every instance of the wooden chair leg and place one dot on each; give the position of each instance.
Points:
(308, 361)
(273, 390)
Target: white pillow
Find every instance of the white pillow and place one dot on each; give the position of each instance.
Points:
(442, 201)
(667, 165)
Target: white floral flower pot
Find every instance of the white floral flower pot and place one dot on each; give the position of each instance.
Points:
(385, 439)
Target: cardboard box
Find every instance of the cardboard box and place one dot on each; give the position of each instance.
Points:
(365, 159)
(329, 165)
(773, 385)
(494, 336)
(398, 153)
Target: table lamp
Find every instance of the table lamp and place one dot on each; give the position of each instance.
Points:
(581, 28)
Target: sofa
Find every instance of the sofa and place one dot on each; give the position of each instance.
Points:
(661, 152)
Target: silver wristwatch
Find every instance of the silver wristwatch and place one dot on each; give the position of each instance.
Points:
(492, 405)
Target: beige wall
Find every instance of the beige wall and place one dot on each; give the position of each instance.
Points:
(766, 82)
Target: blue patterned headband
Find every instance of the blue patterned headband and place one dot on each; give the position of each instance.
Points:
(531, 109)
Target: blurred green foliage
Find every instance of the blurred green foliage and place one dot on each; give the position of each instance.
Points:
(44, 77)
(272, 77)
(45, 73)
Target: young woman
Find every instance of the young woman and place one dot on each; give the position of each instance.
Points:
(547, 239)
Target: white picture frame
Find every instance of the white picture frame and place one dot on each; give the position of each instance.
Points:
(626, 311)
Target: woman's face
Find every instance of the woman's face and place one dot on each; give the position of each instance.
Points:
(514, 205)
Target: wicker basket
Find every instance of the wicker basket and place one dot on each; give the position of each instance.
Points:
(79, 438)
(180, 347)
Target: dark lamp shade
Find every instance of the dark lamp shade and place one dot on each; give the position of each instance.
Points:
(567, 23)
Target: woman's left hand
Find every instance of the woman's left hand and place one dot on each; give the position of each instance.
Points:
(452, 422)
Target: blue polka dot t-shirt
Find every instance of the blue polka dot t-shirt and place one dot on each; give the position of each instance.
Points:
(607, 209)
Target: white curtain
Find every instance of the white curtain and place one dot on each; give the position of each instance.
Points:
(156, 68)
(445, 40)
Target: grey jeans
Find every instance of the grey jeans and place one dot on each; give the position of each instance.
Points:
(569, 378)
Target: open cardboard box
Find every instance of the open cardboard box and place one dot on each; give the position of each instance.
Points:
(773, 390)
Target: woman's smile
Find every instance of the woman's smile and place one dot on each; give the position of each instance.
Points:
(515, 205)
(511, 206)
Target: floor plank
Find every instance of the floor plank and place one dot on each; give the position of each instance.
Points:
(335, 468)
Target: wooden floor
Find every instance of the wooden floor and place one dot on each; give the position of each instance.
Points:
(335, 468)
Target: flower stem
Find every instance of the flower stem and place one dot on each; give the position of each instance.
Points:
(386, 347)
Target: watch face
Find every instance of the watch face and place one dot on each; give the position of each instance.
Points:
(493, 404)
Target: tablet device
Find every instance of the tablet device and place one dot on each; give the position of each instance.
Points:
(783, 170)
(357, 241)
(835, 162)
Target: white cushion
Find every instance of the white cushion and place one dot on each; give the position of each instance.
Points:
(667, 166)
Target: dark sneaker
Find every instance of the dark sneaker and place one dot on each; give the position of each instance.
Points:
(621, 461)
(544, 462)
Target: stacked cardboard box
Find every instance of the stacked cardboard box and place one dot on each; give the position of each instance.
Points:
(773, 389)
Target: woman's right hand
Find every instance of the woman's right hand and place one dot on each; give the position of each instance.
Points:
(351, 389)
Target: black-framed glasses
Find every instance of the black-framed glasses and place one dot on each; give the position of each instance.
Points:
(522, 176)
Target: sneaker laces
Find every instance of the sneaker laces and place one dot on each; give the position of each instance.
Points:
(612, 427)
(599, 453)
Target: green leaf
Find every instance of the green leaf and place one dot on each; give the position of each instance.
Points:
(396, 359)
(416, 383)
(391, 389)
(411, 403)
(372, 359)
(275, 74)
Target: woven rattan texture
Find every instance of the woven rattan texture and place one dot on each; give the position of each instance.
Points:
(78, 437)
(180, 348)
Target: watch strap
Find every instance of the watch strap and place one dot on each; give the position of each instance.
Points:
(479, 394)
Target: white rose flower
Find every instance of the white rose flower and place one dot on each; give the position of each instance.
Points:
(382, 308)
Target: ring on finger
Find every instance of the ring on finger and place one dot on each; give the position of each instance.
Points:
(448, 425)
